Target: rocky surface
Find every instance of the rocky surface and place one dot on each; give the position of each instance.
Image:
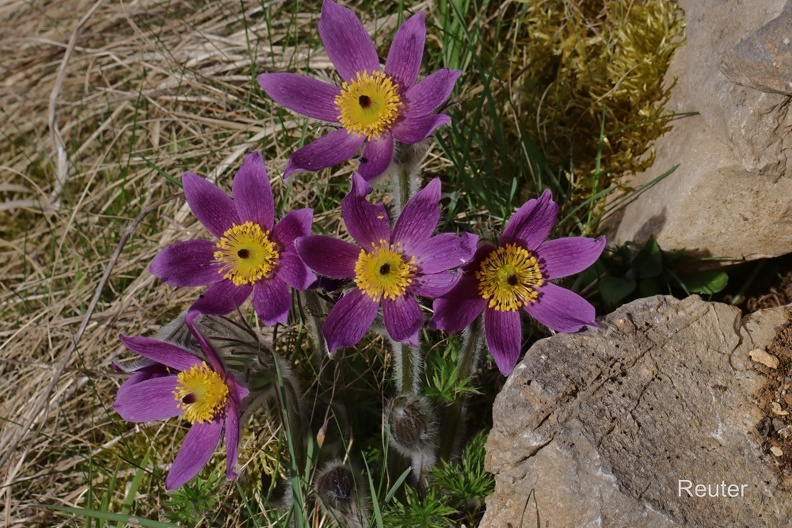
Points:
(729, 196)
(599, 428)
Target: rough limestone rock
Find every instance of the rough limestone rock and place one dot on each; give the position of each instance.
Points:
(730, 195)
(599, 428)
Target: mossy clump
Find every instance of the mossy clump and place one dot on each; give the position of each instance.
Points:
(591, 77)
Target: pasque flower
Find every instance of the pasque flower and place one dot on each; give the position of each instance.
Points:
(181, 383)
(252, 254)
(372, 106)
(516, 275)
(390, 267)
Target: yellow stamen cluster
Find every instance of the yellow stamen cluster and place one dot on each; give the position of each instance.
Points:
(509, 278)
(247, 254)
(201, 392)
(369, 105)
(384, 272)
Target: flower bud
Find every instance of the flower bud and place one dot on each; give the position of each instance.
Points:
(413, 426)
(342, 496)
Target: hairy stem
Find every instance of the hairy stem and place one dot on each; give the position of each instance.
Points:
(472, 344)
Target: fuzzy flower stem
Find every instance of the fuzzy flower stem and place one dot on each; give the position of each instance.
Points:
(311, 305)
(405, 182)
(408, 366)
(405, 177)
(472, 345)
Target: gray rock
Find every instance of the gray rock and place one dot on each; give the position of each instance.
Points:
(598, 428)
(764, 59)
(729, 198)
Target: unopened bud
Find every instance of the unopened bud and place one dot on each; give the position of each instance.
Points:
(413, 426)
(342, 496)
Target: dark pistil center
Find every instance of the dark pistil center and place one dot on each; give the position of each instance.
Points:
(188, 399)
(364, 101)
(243, 253)
(512, 280)
(384, 269)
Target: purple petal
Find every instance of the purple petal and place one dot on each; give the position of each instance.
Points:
(367, 222)
(209, 351)
(347, 42)
(253, 193)
(329, 150)
(406, 51)
(454, 311)
(188, 263)
(271, 300)
(148, 400)
(237, 392)
(445, 251)
(222, 298)
(294, 271)
(292, 226)
(403, 318)
(348, 320)
(561, 310)
(210, 205)
(328, 256)
(377, 156)
(426, 96)
(419, 218)
(232, 430)
(304, 95)
(504, 337)
(532, 223)
(168, 354)
(199, 445)
(567, 256)
(416, 129)
(434, 285)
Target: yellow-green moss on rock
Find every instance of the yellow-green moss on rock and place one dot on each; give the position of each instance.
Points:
(597, 67)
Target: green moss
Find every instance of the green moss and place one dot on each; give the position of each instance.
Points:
(598, 67)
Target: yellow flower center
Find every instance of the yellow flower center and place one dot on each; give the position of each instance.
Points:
(509, 278)
(384, 272)
(369, 105)
(201, 392)
(246, 253)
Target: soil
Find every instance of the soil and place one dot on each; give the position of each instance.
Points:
(757, 286)
(775, 399)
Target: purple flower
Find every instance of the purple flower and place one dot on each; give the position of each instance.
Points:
(501, 280)
(253, 253)
(372, 106)
(392, 267)
(180, 383)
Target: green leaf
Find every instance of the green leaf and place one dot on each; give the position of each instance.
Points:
(614, 289)
(107, 516)
(707, 281)
(649, 260)
(129, 500)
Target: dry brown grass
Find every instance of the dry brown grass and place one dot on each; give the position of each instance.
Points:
(98, 100)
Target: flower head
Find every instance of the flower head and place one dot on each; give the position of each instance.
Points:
(181, 383)
(373, 106)
(389, 266)
(253, 253)
(502, 280)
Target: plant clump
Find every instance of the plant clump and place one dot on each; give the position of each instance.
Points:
(591, 75)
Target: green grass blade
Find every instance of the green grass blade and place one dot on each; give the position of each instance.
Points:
(108, 516)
